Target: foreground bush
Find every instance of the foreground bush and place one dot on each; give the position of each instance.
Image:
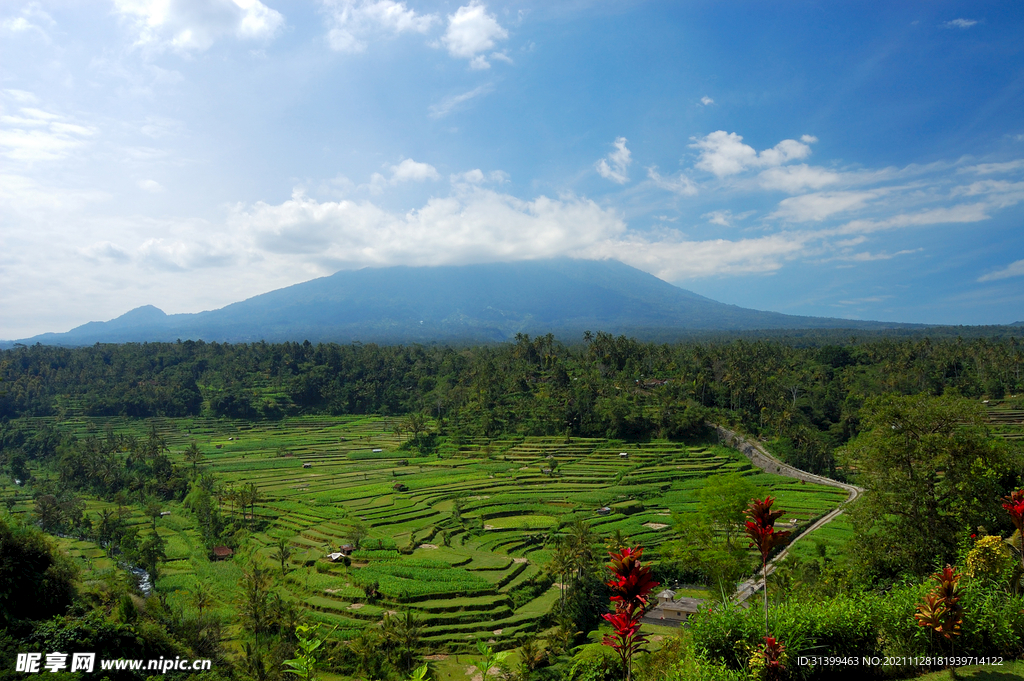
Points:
(859, 625)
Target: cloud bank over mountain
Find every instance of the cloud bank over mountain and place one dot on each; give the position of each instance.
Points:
(190, 154)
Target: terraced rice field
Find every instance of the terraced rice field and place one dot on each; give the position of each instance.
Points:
(1006, 421)
(460, 538)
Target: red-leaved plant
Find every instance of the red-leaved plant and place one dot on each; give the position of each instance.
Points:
(770, 659)
(631, 585)
(941, 611)
(761, 531)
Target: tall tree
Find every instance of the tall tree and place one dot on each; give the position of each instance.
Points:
(254, 606)
(723, 500)
(282, 552)
(931, 471)
(194, 456)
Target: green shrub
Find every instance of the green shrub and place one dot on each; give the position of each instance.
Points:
(628, 507)
(993, 623)
(865, 624)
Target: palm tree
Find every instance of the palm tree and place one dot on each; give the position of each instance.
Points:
(559, 565)
(201, 596)
(248, 496)
(231, 496)
(389, 642)
(408, 634)
(365, 647)
(254, 498)
(581, 540)
(254, 606)
(531, 655)
(106, 525)
(193, 456)
(283, 553)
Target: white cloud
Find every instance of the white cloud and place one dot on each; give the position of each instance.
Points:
(411, 170)
(820, 205)
(407, 170)
(377, 183)
(680, 184)
(867, 256)
(1000, 193)
(151, 186)
(194, 25)
(706, 101)
(675, 260)
(22, 96)
(960, 23)
(861, 301)
(725, 218)
(449, 104)
(158, 127)
(477, 176)
(40, 115)
(38, 135)
(178, 255)
(17, 25)
(719, 217)
(353, 23)
(723, 153)
(105, 250)
(477, 225)
(617, 164)
(1014, 269)
(29, 20)
(258, 20)
(25, 196)
(797, 178)
(994, 168)
(963, 213)
(471, 32)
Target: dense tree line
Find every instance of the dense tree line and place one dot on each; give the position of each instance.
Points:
(806, 396)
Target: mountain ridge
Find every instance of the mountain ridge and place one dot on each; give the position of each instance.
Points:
(473, 303)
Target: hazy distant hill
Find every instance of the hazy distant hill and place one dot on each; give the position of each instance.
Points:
(467, 303)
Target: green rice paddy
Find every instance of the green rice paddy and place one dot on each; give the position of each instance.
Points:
(460, 537)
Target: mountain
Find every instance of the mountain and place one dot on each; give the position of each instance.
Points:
(473, 303)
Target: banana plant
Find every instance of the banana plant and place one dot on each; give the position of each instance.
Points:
(304, 666)
(491, 658)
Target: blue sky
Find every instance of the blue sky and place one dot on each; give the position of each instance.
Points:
(862, 160)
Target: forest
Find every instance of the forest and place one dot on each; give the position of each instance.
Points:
(430, 446)
(805, 396)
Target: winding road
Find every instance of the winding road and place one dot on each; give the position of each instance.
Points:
(765, 461)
